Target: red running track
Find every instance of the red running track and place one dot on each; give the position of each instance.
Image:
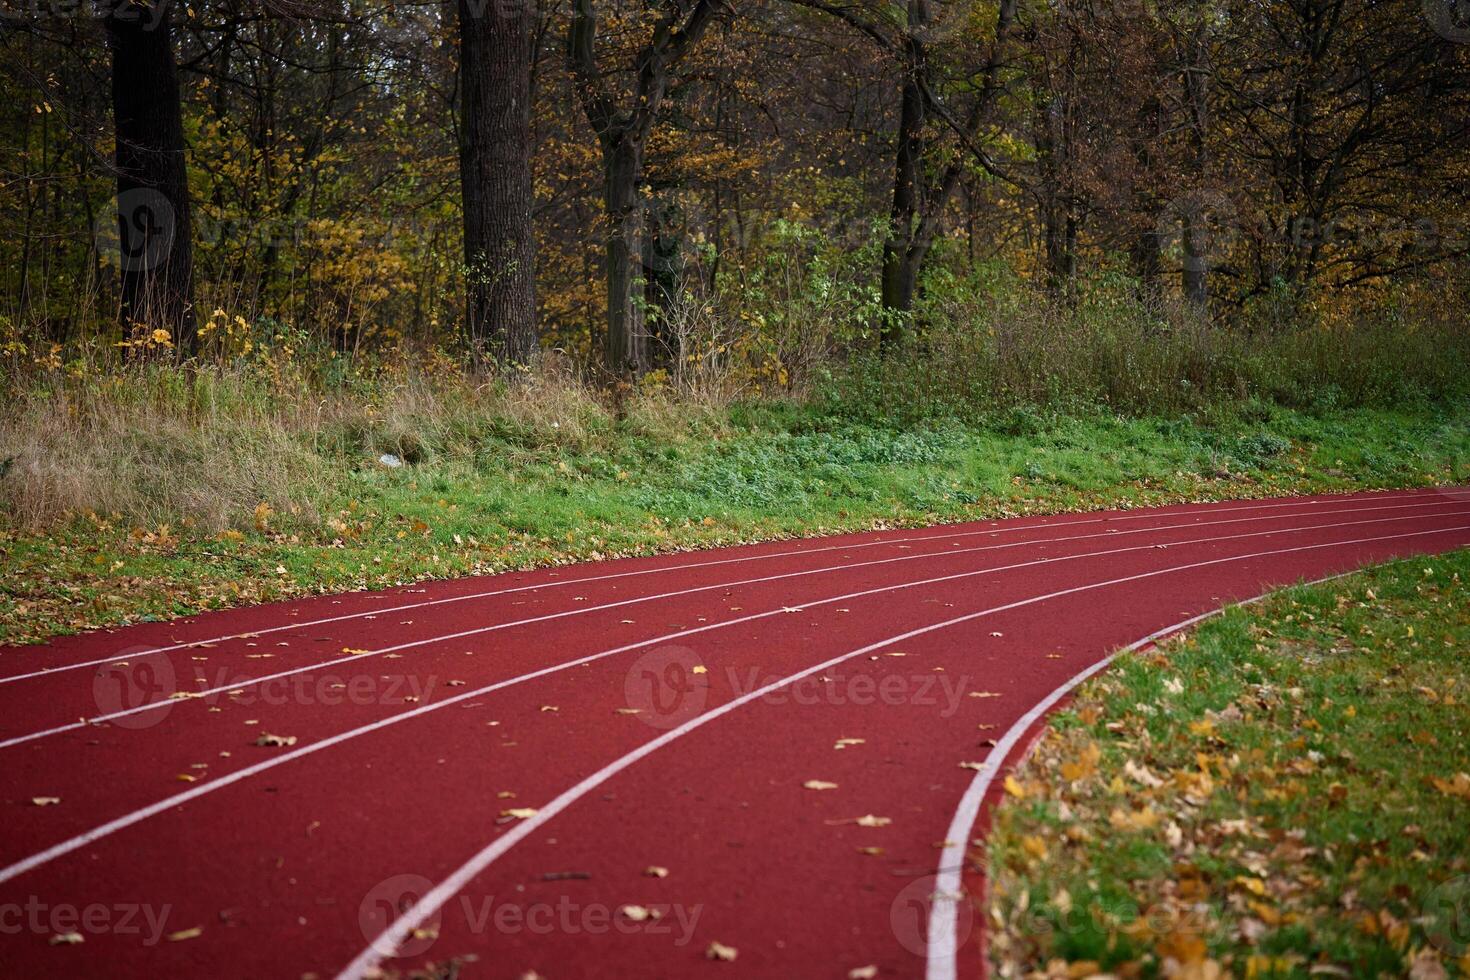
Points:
(600, 770)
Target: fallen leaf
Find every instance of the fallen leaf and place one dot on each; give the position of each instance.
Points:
(654, 871)
(519, 813)
(862, 973)
(183, 934)
(721, 952)
(638, 913)
(843, 743)
(984, 694)
(66, 939)
(275, 741)
(818, 784)
(872, 821)
(45, 800)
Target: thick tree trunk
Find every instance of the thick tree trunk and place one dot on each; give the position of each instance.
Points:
(495, 180)
(627, 337)
(157, 265)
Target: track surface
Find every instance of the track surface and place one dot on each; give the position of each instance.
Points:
(602, 769)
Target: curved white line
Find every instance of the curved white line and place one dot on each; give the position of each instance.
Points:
(943, 940)
(129, 819)
(1044, 524)
(432, 901)
(243, 683)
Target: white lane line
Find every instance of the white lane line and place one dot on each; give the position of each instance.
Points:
(1043, 525)
(435, 899)
(153, 809)
(242, 683)
(943, 928)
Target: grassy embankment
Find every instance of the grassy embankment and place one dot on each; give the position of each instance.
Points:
(1281, 794)
(161, 492)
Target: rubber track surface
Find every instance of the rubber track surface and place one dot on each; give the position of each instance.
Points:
(601, 770)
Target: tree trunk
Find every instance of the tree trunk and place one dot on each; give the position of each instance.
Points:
(156, 256)
(495, 180)
(627, 340)
(900, 265)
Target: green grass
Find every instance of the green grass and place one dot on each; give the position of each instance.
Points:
(1284, 793)
(564, 480)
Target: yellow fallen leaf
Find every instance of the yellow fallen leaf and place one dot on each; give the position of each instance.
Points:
(354, 650)
(872, 821)
(638, 913)
(721, 952)
(977, 766)
(698, 669)
(66, 939)
(654, 871)
(1255, 886)
(1457, 785)
(843, 743)
(1034, 846)
(520, 813)
(275, 741)
(1014, 788)
(862, 973)
(182, 934)
(871, 851)
(818, 784)
(45, 800)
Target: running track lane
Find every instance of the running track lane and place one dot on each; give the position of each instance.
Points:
(285, 870)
